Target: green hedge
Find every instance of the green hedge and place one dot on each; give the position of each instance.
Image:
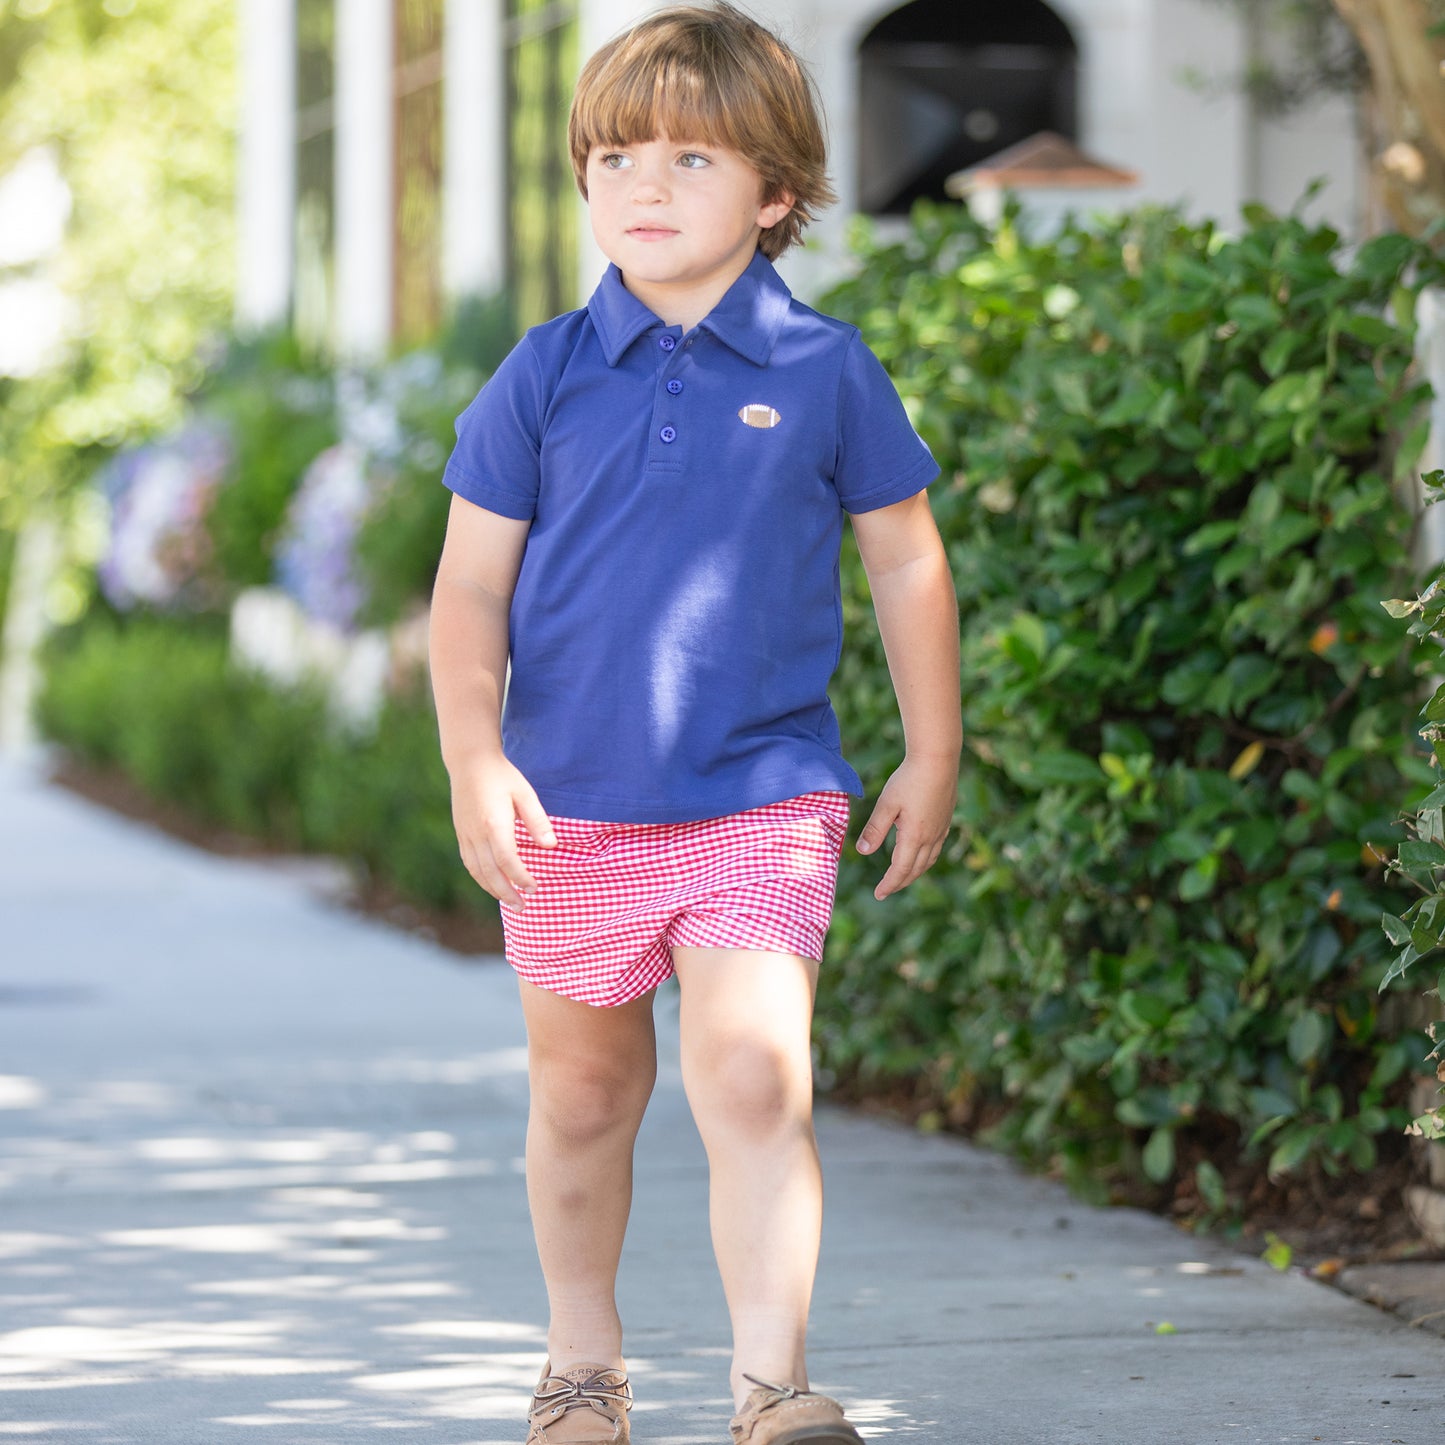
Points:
(1417, 932)
(162, 703)
(1168, 460)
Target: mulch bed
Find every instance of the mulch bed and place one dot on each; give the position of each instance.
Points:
(1327, 1223)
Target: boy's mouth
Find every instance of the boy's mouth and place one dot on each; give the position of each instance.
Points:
(650, 233)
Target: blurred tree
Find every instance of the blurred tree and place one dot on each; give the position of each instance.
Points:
(1388, 54)
(135, 101)
(1404, 46)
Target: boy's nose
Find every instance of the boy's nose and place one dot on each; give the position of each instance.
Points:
(651, 185)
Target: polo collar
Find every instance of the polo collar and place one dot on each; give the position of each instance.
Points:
(747, 319)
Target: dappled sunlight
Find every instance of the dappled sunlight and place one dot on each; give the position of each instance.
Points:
(470, 1330)
(471, 1069)
(878, 1418)
(29, 1429)
(16, 1244)
(328, 1162)
(18, 1092)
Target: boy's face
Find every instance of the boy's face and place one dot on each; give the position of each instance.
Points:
(679, 219)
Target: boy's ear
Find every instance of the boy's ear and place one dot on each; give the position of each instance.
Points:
(775, 208)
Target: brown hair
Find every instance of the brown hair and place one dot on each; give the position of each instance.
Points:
(710, 73)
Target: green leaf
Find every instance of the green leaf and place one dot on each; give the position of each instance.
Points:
(1198, 880)
(1369, 329)
(1307, 1035)
(1432, 800)
(1072, 389)
(1158, 1160)
(1210, 536)
(1291, 1151)
(1396, 929)
(1276, 354)
(1253, 312)
(1286, 531)
(1192, 356)
(1292, 393)
(1277, 1254)
(1210, 1183)
(1144, 1012)
(1417, 857)
(1272, 1104)
(1066, 767)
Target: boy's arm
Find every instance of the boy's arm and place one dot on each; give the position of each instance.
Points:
(470, 605)
(913, 595)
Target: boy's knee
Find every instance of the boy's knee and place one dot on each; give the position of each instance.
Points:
(577, 1099)
(753, 1085)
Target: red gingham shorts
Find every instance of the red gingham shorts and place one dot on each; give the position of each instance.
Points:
(614, 899)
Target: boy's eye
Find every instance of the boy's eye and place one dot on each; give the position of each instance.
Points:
(690, 160)
(613, 161)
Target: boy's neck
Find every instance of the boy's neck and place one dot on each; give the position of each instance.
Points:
(684, 304)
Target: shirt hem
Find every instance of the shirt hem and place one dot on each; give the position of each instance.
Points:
(591, 808)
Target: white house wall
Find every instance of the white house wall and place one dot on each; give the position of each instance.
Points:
(1136, 109)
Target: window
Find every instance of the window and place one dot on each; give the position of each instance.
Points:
(945, 85)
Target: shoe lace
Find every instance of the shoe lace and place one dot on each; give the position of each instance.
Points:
(557, 1396)
(783, 1392)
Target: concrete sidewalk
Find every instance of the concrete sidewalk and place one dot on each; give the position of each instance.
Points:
(260, 1179)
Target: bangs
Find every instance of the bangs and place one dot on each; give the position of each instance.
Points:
(673, 97)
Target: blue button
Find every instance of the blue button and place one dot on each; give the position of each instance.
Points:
(667, 342)
(674, 386)
(668, 433)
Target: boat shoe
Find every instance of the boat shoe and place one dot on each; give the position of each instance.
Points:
(586, 1405)
(786, 1415)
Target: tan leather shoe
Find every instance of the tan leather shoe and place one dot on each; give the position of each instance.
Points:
(586, 1405)
(785, 1415)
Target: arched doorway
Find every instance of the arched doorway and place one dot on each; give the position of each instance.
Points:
(944, 85)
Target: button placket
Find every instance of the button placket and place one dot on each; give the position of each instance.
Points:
(668, 424)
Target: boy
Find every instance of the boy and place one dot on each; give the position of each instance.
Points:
(649, 497)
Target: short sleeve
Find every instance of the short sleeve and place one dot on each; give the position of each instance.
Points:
(880, 458)
(496, 462)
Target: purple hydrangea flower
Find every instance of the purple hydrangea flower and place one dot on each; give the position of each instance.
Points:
(160, 494)
(315, 561)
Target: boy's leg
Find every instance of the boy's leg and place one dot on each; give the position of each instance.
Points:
(747, 1067)
(591, 1072)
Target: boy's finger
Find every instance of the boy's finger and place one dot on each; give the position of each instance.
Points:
(910, 861)
(899, 875)
(508, 862)
(875, 830)
(538, 824)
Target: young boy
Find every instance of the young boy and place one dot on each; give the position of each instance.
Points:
(649, 499)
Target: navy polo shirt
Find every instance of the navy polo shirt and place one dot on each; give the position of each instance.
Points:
(677, 616)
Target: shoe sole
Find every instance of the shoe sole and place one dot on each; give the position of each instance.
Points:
(818, 1435)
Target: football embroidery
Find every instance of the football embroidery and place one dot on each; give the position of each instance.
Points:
(758, 415)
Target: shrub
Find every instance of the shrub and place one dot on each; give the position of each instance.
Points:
(163, 704)
(280, 411)
(1418, 932)
(1168, 460)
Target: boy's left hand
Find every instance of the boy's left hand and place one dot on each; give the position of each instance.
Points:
(918, 799)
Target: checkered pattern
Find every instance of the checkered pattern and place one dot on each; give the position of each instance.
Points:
(614, 899)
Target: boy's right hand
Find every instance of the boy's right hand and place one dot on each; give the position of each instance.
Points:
(487, 797)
